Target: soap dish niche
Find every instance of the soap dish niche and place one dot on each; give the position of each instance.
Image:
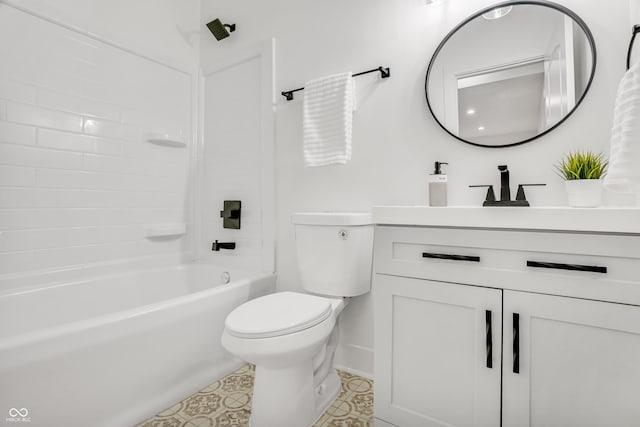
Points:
(166, 139)
(160, 230)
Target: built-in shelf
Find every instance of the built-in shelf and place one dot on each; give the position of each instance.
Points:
(174, 229)
(166, 139)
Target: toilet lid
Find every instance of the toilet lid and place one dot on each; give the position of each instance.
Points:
(277, 314)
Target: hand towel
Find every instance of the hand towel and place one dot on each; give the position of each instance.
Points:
(624, 160)
(327, 120)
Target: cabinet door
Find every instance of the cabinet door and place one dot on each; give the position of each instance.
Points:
(578, 362)
(431, 348)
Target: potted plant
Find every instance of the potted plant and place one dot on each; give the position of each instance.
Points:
(583, 172)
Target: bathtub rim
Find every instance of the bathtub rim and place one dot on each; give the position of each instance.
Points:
(12, 342)
(78, 274)
(36, 279)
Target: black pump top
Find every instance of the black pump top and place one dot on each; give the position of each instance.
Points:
(438, 170)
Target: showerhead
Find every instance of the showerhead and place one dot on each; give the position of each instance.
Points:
(219, 30)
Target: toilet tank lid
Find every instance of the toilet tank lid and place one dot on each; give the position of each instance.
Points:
(332, 218)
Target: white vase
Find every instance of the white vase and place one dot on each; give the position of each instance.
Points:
(584, 193)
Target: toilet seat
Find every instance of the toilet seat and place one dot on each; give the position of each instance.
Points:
(277, 314)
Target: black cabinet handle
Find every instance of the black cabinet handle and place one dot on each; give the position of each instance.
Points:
(451, 257)
(489, 338)
(572, 267)
(516, 343)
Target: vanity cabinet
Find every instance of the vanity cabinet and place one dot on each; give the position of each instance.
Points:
(506, 328)
(578, 365)
(433, 364)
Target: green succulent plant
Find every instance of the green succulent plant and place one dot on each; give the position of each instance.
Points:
(582, 165)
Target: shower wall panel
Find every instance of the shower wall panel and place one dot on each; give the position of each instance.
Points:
(78, 180)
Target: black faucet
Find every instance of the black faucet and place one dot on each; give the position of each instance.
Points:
(505, 191)
(226, 245)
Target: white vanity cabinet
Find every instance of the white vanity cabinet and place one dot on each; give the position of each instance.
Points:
(579, 362)
(432, 333)
(513, 328)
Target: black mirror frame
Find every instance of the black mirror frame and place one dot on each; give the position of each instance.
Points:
(566, 11)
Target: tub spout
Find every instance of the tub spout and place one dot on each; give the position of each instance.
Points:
(216, 246)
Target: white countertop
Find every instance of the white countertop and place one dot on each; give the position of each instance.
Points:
(603, 220)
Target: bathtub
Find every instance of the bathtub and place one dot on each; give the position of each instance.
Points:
(116, 349)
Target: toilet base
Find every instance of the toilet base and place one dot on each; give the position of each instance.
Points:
(286, 397)
(326, 393)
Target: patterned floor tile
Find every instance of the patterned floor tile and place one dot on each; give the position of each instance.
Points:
(227, 403)
(157, 421)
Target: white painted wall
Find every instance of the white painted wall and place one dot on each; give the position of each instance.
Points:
(395, 139)
(78, 181)
(634, 12)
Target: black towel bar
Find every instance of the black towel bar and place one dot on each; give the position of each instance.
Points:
(385, 72)
(636, 30)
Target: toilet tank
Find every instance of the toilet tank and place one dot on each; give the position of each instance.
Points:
(335, 252)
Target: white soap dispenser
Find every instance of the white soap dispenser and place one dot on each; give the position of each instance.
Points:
(438, 186)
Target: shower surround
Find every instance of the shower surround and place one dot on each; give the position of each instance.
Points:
(105, 318)
(80, 182)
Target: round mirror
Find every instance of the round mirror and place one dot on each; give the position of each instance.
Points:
(510, 73)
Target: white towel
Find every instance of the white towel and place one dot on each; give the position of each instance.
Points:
(327, 115)
(624, 171)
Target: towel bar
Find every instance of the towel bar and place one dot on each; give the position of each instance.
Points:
(636, 30)
(385, 72)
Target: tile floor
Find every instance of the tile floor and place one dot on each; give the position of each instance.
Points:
(228, 403)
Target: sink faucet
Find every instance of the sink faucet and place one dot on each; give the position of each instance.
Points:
(222, 245)
(505, 191)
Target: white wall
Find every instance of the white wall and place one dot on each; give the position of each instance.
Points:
(634, 12)
(78, 181)
(395, 139)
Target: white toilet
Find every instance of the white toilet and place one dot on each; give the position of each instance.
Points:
(291, 337)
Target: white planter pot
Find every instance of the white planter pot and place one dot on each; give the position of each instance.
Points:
(584, 193)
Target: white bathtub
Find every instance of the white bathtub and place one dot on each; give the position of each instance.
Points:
(116, 349)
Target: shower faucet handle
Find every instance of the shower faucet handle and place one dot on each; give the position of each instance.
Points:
(230, 213)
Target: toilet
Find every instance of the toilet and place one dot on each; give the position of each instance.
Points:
(291, 337)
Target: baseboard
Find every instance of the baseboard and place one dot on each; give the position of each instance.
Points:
(347, 369)
(355, 359)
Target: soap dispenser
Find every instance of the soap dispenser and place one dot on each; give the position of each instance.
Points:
(438, 186)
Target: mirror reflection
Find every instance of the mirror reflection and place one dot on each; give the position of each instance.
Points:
(510, 74)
